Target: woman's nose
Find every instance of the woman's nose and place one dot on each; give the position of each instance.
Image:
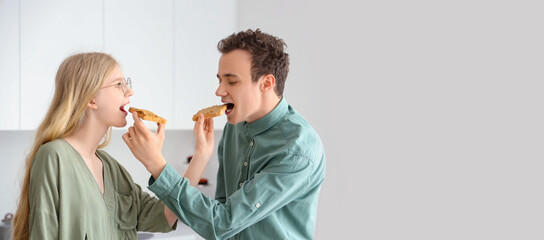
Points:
(129, 92)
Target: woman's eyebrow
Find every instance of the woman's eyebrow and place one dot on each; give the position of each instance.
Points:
(116, 79)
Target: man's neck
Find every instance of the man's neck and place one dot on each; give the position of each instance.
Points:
(268, 105)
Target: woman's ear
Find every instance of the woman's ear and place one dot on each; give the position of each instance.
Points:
(268, 83)
(92, 105)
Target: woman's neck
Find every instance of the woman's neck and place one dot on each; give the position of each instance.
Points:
(86, 139)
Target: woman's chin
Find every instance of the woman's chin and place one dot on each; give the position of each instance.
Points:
(121, 124)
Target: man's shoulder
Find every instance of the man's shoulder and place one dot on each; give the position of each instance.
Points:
(294, 125)
(299, 134)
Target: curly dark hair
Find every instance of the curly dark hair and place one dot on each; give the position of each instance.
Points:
(267, 54)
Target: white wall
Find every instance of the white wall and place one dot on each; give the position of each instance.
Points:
(9, 64)
(14, 146)
(167, 47)
(430, 112)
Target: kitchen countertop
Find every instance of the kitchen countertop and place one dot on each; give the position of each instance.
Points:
(181, 233)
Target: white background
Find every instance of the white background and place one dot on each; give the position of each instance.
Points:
(430, 112)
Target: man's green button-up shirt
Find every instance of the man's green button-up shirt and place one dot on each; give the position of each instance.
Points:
(268, 182)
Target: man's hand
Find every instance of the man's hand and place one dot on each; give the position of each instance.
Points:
(146, 145)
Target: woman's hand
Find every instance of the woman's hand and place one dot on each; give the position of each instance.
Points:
(203, 133)
(146, 145)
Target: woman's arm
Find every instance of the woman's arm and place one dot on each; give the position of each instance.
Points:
(44, 195)
(151, 211)
(146, 147)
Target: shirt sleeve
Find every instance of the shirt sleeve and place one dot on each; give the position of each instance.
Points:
(280, 182)
(44, 196)
(220, 193)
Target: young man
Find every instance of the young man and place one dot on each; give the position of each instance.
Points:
(271, 161)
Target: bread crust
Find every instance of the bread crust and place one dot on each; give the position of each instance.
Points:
(147, 115)
(211, 112)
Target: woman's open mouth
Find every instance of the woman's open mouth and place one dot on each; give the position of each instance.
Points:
(122, 108)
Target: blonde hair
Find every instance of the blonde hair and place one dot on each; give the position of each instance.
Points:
(79, 78)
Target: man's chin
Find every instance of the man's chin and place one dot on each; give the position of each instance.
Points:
(232, 121)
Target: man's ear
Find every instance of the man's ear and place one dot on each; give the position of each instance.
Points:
(92, 104)
(268, 82)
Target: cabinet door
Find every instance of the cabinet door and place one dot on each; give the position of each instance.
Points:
(199, 25)
(50, 32)
(139, 34)
(9, 65)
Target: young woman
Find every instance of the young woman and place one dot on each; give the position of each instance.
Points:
(72, 190)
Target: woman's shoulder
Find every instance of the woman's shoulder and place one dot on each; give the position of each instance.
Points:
(56, 147)
(52, 154)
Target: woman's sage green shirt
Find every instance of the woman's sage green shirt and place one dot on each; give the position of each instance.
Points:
(66, 203)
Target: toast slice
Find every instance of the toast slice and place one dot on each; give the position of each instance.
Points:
(147, 115)
(211, 112)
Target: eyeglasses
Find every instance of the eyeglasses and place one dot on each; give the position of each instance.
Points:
(124, 84)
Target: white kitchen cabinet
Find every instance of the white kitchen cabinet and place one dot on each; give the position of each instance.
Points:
(167, 47)
(9, 65)
(199, 25)
(51, 31)
(139, 34)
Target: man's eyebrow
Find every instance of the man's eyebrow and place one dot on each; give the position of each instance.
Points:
(229, 75)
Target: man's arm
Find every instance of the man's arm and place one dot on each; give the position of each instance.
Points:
(280, 182)
(220, 191)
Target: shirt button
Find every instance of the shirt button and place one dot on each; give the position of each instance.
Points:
(251, 143)
(245, 164)
(240, 184)
(257, 205)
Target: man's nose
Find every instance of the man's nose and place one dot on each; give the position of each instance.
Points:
(220, 91)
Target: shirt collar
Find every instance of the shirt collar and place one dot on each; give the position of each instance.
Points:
(269, 120)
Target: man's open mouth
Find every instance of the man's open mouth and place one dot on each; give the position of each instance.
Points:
(230, 106)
